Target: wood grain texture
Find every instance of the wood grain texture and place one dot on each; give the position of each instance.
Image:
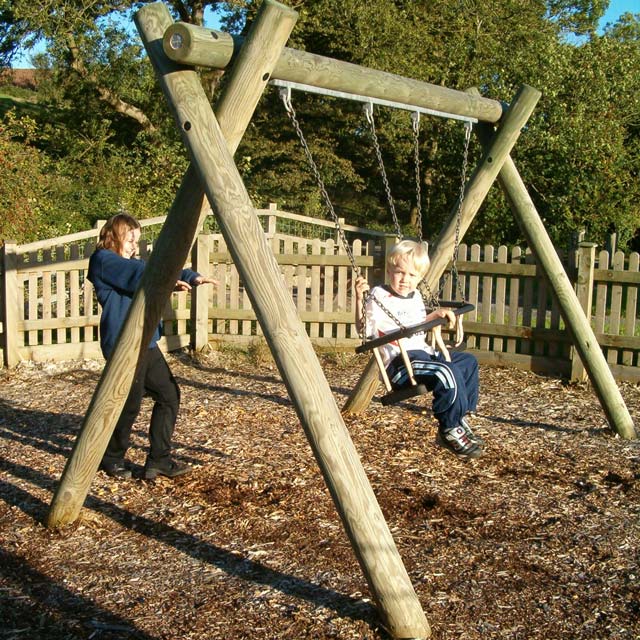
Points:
(200, 46)
(170, 252)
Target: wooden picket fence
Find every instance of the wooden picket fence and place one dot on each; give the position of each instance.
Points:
(50, 311)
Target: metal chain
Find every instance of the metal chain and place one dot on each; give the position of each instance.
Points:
(415, 122)
(368, 110)
(285, 95)
(286, 99)
(463, 183)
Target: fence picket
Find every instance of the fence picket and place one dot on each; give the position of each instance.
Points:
(474, 289)
(327, 289)
(46, 306)
(314, 301)
(501, 296)
(487, 297)
(343, 285)
(602, 290)
(514, 300)
(616, 306)
(541, 315)
(527, 305)
(631, 311)
(61, 296)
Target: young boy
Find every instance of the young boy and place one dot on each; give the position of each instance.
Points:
(115, 272)
(454, 384)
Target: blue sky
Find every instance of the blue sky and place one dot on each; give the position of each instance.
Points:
(616, 9)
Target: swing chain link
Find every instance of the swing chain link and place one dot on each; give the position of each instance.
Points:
(363, 316)
(285, 95)
(463, 183)
(415, 124)
(368, 110)
(286, 99)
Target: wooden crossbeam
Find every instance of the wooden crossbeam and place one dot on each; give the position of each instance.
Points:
(199, 46)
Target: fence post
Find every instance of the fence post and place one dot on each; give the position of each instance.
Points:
(10, 303)
(572, 255)
(272, 220)
(200, 296)
(337, 236)
(586, 257)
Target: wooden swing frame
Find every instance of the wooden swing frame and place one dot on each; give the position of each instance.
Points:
(212, 138)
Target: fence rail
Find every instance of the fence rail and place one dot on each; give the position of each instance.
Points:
(49, 310)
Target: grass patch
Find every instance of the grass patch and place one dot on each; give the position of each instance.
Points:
(22, 106)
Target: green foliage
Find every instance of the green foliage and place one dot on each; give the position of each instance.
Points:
(22, 169)
(101, 139)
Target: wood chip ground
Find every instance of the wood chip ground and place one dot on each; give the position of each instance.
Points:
(537, 539)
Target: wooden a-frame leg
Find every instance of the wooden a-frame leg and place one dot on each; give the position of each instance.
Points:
(547, 258)
(170, 252)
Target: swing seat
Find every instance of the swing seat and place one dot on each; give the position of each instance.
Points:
(394, 396)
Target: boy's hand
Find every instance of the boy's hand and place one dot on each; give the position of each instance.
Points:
(447, 314)
(361, 286)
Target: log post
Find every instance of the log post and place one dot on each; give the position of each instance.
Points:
(296, 360)
(364, 390)
(285, 333)
(165, 262)
(200, 46)
(200, 296)
(584, 339)
(584, 291)
(475, 192)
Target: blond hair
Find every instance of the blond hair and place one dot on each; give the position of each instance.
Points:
(416, 252)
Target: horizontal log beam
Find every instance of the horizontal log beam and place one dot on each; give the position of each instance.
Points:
(313, 260)
(198, 46)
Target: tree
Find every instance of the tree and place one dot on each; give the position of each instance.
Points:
(103, 126)
(578, 155)
(577, 158)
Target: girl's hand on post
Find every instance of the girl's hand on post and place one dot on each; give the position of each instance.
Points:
(204, 280)
(181, 285)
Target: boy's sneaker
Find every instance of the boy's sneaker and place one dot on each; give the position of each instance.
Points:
(472, 436)
(458, 442)
(169, 468)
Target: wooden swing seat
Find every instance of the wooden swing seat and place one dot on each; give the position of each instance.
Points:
(394, 396)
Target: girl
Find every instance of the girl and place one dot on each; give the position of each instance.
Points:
(115, 272)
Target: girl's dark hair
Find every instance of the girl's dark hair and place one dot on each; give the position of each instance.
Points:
(114, 232)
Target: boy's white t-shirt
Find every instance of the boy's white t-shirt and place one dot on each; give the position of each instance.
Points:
(408, 311)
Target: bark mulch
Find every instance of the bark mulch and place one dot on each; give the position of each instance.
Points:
(539, 538)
